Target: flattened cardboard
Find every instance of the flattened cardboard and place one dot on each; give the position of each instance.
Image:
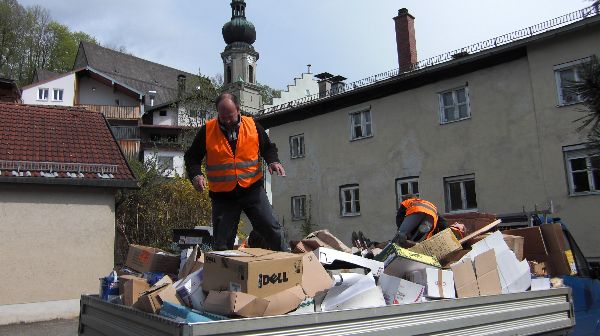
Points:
(284, 301)
(439, 245)
(149, 259)
(355, 291)
(253, 271)
(132, 289)
(438, 283)
(315, 278)
(465, 280)
(246, 305)
(326, 239)
(488, 278)
(534, 247)
(555, 244)
(332, 257)
(398, 261)
(399, 291)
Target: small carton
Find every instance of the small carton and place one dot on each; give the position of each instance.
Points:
(131, 288)
(465, 280)
(399, 291)
(151, 259)
(152, 300)
(440, 245)
(252, 271)
(334, 259)
(398, 261)
(488, 279)
(438, 283)
(190, 291)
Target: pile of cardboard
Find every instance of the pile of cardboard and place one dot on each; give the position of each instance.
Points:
(252, 282)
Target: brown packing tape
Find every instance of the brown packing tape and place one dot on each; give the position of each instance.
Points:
(440, 282)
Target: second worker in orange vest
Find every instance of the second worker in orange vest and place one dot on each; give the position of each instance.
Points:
(233, 145)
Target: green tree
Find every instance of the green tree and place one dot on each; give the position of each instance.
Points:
(64, 46)
(268, 93)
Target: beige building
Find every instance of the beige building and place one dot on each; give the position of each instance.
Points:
(60, 169)
(486, 128)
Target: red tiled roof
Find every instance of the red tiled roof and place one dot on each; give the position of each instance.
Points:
(33, 134)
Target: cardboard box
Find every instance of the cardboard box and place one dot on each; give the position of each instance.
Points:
(190, 291)
(334, 259)
(315, 278)
(246, 305)
(439, 245)
(150, 259)
(152, 300)
(556, 246)
(534, 247)
(252, 271)
(488, 278)
(354, 291)
(438, 283)
(465, 280)
(515, 243)
(399, 291)
(398, 261)
(131, 288)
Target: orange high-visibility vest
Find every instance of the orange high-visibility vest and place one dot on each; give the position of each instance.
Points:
(224, 168)
(415, 205)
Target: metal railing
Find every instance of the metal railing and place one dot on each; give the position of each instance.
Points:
(126, 132)
(578, 15)
(115, 112)
(57, 166)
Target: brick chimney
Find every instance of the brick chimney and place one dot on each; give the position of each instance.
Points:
(405, 39)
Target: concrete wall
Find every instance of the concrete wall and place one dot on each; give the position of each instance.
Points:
(171, 119)
(66, 83)
(512, 144)
(56, 241)
(95, 93)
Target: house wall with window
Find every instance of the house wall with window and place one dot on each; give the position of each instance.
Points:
(167, 116)
(59, 91)
(170, 161)
(505, 152)
(94, 92)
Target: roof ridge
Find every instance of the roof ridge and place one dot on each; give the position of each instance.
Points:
(50, 107)
(84, 43)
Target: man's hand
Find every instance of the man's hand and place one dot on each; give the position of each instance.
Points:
(199, 183)
(276, 167)
(458, 227)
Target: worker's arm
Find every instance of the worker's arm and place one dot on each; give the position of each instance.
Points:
(193, 159)
(400, 215)
(268, 151)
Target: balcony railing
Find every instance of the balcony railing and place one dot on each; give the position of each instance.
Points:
(126, 132)
(115, 112)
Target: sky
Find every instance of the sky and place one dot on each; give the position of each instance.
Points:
(352, 38)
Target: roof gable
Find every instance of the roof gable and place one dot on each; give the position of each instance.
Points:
(42, 144)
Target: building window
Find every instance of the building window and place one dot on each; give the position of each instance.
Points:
(57, 95)
(583, 170)
(298, 207)
(250, 74)
(567, 75)
(165, 162)
(163, 113)
(454, 105)
(460, 193)
(228, 79)
(405, 187)
(42, 94)
(297, 146)
(349, 200)
(360, 125)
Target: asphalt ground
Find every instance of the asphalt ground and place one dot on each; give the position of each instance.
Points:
(53, 328)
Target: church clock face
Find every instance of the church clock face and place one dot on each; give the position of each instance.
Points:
(250, 59)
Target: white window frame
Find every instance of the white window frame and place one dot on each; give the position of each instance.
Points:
(455, 104)
(54, 95)
(581, 152)
(354, 201)
(363, 123)
(168, 168)
(297, 150)
(572, 65)
(40, 96)
(298, 207)
(410, 182)
(459, 179)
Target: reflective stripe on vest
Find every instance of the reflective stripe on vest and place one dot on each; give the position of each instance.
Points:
(225, 169)
(416, 205)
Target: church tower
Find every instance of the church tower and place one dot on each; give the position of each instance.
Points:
(239, 59)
